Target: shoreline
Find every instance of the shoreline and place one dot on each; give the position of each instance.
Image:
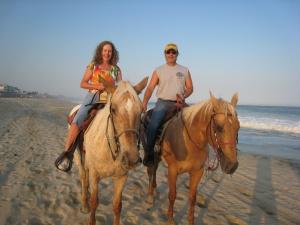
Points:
(264, 189)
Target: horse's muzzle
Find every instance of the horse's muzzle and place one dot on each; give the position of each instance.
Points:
(227, 165)
(136, 163)
(233, 168)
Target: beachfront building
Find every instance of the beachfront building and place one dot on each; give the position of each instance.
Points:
(9, 91)
(2, 88)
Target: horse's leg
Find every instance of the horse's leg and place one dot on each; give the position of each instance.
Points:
(117, 200)
(151, 170)
(195, 178)
(84, 176)
(83, 173)
(94, 197)
(172, 177)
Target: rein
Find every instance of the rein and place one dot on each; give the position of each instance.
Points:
(116, 136)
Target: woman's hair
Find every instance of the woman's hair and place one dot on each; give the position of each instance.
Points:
(97, 59)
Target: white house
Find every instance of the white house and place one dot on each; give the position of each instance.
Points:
(2, 87)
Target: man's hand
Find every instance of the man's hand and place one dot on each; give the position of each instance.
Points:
(180, 102)
(144, 107)
(180, 98)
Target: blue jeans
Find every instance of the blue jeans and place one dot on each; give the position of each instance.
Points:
(159, 112)
(83, 111)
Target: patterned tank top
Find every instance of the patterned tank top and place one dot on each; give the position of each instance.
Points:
(109, 76)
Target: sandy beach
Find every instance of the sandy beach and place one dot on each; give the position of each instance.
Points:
(264, 189)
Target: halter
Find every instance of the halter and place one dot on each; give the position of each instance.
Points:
(116, 136)
(216, 144)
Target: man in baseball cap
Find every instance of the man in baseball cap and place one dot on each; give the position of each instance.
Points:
(173, 81)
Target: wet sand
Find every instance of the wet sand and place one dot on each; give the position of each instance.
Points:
(264, 189)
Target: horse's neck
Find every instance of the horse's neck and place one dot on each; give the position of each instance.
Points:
(196, 120)
(99, 123)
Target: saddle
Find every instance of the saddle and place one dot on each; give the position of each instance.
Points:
(172, 112)
(92, 113)
(79, 139)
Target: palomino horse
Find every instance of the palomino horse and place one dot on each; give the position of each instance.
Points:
(110, 144)
(184, 146)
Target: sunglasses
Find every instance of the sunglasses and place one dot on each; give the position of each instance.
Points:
(171, 51)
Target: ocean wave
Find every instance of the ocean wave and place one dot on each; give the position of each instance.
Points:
(270, 124)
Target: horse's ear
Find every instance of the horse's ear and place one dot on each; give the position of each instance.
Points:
(213, 100)
(141, 85)
(234, 99)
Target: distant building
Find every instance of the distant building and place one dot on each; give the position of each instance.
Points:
(2, 87)
(11, 91)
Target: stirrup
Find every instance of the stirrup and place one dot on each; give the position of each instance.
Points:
(65, 157)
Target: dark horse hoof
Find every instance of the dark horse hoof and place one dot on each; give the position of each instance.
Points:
(148, 160)
(64, 161)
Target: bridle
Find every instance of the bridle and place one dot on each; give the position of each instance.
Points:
(116, 136)
(215, 143)
(213, 140)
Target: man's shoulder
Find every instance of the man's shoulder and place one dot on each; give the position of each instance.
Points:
(182, 67)
(160, 67)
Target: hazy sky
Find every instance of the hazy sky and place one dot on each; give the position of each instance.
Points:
(250, 47)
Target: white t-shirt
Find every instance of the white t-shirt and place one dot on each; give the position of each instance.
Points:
(171, 81)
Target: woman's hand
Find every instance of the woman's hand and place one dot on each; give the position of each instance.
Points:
(99, 87)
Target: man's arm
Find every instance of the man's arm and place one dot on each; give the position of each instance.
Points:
(188, 86)
(151, 86)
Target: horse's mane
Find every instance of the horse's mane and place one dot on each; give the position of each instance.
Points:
(204, 110)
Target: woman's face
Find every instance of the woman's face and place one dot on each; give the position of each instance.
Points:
(106, 53)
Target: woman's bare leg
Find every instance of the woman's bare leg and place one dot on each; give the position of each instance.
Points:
(73, 132)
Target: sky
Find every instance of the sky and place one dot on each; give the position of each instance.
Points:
(249, 47)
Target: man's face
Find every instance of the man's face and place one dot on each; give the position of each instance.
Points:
(171, 55)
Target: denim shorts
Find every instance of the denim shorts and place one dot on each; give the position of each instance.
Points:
(86, 105)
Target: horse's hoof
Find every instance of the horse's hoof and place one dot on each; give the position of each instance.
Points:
(84, 210)
(171, 221)
(150, 199)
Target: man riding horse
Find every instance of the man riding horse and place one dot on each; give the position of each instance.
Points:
(174, 85)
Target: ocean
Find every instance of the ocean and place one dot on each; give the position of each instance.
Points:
(269, 130)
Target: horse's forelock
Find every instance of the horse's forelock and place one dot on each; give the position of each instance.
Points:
(226, 108)
(123, 88)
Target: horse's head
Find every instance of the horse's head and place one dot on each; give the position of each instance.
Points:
(125, 111)
(224, 128)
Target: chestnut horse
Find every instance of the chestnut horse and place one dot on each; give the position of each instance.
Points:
(184, 146)
(110, 144)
